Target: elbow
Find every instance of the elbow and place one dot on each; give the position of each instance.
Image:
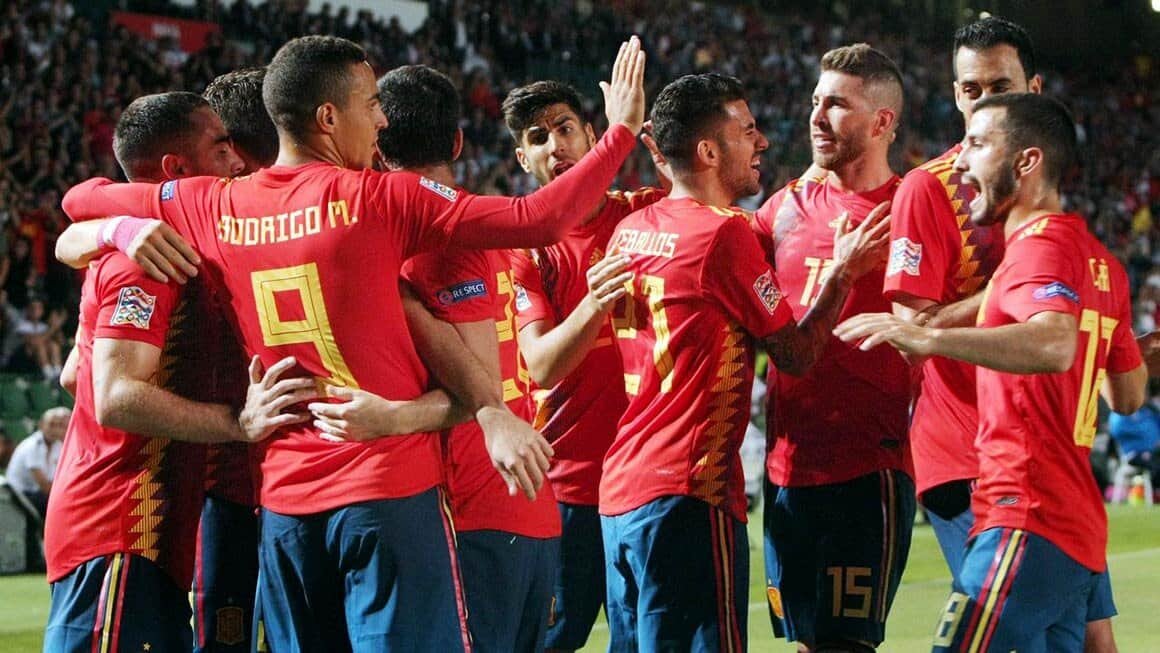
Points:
(542, 376)
(110, 405)
(68, 380)
(1127, 405)
(1058, 355)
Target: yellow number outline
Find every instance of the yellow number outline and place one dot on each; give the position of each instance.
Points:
(653, 289)
(313, 329)
(1098, 328)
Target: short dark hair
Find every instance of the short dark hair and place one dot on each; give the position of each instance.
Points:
(306, 73)
(422, 109)
(687, 109)
(1032, 120)
(524, 105)
(153, 126)
(236, 97)
(868, 64)
(991, 31)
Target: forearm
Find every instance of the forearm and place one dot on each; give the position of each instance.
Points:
(452, 364)
(79, 243)
(100, 198)
(140, 407)
(797, 352)
(431, 411)
(553, 355)
(546, 215)
(1023, 348)
(963, 313)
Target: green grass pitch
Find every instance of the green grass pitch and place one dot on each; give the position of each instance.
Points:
(1133, 553)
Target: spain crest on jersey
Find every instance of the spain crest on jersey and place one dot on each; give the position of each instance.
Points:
(134, 308)
(905, 256)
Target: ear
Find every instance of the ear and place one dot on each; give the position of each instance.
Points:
(457, 146)
(523, 159)
(591, 135)
(961, 101)
(707, 154)
(173, 166)
(1028, 161)
(884, 122)
(1035, 85)
(325, 117)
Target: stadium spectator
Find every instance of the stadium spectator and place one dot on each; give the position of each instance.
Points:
(33, 463)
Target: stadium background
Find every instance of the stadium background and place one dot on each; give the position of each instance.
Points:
(67, 69)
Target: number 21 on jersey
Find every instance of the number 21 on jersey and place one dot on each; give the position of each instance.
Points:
(652, 290)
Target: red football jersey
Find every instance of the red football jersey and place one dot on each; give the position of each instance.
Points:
(578, 416)
(469, 286)
(1036, 430)
(117, 492)
(847, 415)
(308, 257)
(702, 292)
(937, 253)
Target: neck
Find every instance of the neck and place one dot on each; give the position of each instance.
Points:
(703, 187)
(295, 152)
(864, 174)
(1037, 203)
(440, 172)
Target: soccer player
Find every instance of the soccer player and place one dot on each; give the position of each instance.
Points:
(672, 499)
(566, 339)
(508, 548)
(237, 99)
(308, 252)
(1054, 333)
(121, 521)
(939, 256)
(839, 499)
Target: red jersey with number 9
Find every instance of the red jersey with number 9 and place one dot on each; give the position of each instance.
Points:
(308, 259)
(1036, 430)
(701, 293)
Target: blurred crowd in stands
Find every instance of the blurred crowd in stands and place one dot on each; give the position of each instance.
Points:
(64, 79)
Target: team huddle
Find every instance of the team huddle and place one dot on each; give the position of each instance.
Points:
(471, 422)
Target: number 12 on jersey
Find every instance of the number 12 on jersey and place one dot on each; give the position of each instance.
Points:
(652, 289)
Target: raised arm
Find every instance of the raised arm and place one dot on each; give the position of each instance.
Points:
(796, 347)
(552, 351)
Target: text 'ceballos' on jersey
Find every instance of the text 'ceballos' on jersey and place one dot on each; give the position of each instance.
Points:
(702, 292)
(847, 415)
(937, 253)
(579, 414)
(1036, 430)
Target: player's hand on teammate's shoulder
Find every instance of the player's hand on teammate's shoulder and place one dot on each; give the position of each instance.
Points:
(859, 250)
(873, 329)
(606, 281)
(163, 253)
(270, 399)
(624, 92)
(360, 416)
(518, 452)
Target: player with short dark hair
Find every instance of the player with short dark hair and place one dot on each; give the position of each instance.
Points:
(839, 499)
(564, 293)
(1054, 334)
(236, 97)
(508, 549)
(313, 246)
(149, 384)
(702, 296)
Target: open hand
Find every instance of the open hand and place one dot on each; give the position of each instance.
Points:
(624, 92)
(269, 394)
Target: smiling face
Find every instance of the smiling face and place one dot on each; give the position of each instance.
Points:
(842, 121)
(992, 71)
(554, 142)
(987, 164)
(741, 144)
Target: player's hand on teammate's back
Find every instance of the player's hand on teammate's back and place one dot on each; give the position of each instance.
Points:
(359, 417)
(624, 92)
(606, 281)
(163, 253)
(865, 247)
(268, 397)
(519, 453)
(874, 329)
